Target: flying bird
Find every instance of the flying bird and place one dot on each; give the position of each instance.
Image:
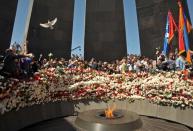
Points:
(49, 24)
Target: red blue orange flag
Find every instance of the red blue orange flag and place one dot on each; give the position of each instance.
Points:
(184, 28)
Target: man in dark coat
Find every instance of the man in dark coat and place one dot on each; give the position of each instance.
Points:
(11, 64)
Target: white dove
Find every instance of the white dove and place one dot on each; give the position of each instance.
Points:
(49, 24)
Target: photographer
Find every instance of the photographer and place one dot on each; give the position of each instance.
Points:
(11, 67)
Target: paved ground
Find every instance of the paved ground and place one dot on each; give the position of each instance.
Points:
(67, 124)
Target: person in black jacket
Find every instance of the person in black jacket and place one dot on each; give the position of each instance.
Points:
(11, 65)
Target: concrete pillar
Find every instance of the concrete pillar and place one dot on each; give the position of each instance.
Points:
(152, 16)
(58, 40)
(105, 37)
(7, 18)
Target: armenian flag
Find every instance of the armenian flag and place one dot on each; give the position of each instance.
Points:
(184, 29)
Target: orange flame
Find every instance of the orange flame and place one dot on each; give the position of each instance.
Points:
(109, 112)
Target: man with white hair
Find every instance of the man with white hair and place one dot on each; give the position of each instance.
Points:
(181, 62)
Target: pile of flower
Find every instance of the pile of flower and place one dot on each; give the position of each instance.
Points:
(61, 84)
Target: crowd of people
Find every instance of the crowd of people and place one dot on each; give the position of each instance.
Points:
(26, 80)
(25, 65)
